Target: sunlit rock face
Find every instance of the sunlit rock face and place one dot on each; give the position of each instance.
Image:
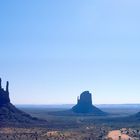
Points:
(84, 105)
(4, 94)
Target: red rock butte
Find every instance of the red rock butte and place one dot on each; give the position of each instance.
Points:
(84, 105)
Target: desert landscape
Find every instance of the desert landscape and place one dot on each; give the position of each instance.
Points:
(72, 128)
(69, 69)
(83, 121)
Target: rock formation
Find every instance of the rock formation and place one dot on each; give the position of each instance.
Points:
(4, 94)
(84, 105)
(9, 114)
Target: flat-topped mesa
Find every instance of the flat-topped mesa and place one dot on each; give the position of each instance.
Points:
(84, 105)
(4, 94)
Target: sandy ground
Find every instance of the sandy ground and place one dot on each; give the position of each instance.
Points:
(117, 135)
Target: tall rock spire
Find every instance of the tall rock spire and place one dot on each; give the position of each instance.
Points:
(7, 87)
(0, 84)
(78, 100)
(4, 94)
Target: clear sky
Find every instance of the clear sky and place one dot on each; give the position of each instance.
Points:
(52, 50)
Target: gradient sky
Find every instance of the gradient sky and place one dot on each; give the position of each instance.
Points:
(52, 50)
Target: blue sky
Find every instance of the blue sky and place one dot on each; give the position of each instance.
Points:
(52, 50)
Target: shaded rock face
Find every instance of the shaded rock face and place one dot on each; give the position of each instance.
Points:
(9, 114)
(84, 105)
(85, 99)
(4, 94)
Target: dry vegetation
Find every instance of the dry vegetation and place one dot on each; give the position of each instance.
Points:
(89, 133)
(71, 128)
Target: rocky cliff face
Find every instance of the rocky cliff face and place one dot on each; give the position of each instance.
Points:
(4, 94)
(84, 105)
(85, 101)
(9, 114)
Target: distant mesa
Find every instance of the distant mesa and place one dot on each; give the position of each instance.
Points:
(9, 114)
(84, 105)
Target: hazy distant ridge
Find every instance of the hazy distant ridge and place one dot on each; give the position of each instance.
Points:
(70, 105)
